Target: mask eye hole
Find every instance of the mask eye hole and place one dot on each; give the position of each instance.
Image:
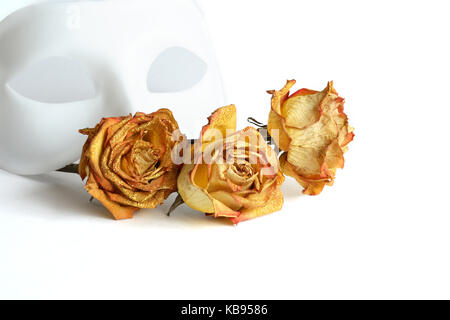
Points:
(55, 80)
(175, 69)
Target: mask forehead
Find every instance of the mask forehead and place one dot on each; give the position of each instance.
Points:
(92, 28)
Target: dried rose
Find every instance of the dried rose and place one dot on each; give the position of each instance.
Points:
(235, 174)
(128, 162)
(313, 129)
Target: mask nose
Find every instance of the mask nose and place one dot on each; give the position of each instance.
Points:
(165, 80)
(117, 94)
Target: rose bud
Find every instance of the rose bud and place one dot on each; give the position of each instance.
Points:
(312, 128)
(234, 175)
(128, 162)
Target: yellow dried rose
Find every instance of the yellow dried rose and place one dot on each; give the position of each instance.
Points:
(234, 175)
(128, 162)
(313, 129)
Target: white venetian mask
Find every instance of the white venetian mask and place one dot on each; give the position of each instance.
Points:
(66, 64)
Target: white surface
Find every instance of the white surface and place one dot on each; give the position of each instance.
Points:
(66, 64)
(381, 232)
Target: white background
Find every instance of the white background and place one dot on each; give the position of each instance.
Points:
(383, 230)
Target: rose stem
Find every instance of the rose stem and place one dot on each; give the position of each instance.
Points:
(178, 202)
(262, 128)
(255, 122)
(71, 168)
